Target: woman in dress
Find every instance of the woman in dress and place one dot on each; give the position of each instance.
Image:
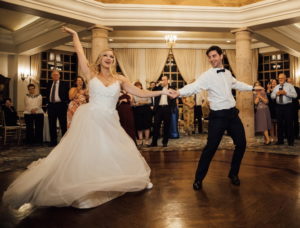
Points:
(188, 114)
(95, 161)
(262, 114)
(126, 114)
(78, 95)
(272, 107)
(142, 117)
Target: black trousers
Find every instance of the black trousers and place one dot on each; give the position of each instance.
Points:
(295, 120)
(219, 122)
(198, 117)
(285, 123)
(57, 111)
(162, 113)
(34, 127)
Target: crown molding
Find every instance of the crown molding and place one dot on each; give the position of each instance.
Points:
(167, 16)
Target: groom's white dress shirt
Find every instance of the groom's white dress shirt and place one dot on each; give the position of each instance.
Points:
(218, 86)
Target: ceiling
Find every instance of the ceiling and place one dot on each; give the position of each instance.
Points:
(214, 3)
(12, 20)
(29, 29)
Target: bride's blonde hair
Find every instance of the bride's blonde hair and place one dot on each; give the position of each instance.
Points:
(96, 67)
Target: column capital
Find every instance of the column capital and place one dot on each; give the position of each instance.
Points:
(244, 29)
(101, 27)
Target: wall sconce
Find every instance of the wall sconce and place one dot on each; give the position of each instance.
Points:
(25, 76)
(170, 40)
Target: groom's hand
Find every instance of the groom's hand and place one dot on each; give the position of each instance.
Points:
(173, 93)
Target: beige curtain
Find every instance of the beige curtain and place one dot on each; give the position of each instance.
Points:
(129, 62)
(202, 63)
(35, 70)
(254, 65)
(155, 60)
(231, 56)
(186, 62)
(295, 69)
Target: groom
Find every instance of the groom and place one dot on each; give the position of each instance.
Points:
(223, 114)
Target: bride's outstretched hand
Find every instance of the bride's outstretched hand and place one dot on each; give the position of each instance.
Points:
(68, 30)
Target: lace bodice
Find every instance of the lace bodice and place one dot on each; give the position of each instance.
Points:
(103, 96)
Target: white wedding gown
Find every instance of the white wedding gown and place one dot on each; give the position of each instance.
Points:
(94, 162)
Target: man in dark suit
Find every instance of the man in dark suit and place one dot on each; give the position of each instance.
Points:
(162, 112)
(57, 105)
(296, 107)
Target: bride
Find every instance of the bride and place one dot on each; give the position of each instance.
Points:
(96, 161)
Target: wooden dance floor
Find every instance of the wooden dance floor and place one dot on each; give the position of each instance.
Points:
(269, 196)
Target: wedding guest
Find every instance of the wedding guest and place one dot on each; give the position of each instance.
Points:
(78, 95)
(125, 112)
(57, 105)
(262, 113)
(33, 116)
(272, 107)
(296, 108)
(199, 100)
(10, 114)
(188, 114)
(174, 132)
(162, 112)
(142, 116)
(284, 92)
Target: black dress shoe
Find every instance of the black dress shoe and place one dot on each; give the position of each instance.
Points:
(291, 144)
(279, 143)
(235, 180)
(152, 145)
(165, 145)
(197, 185)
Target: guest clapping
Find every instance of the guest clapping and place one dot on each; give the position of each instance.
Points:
(78, 95)
(262, 113)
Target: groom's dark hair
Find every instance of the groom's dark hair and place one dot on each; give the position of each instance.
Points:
(214, 48)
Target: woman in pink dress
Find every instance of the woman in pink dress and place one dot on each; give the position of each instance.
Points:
(78, 95)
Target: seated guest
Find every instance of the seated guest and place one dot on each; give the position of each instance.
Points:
(78, 95)
(10, 113)
(126, 114)
(262, 114)
(34, 116)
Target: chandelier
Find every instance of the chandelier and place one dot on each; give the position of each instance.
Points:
(170, 40)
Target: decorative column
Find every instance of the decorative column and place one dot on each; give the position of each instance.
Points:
(244, 99)
(99, 40)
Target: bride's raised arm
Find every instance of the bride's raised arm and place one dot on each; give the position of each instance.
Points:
(126, 85)
(83, 62)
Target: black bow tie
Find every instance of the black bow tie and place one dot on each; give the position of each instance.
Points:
(221, 70)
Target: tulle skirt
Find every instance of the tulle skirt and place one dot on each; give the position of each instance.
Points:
(95, 162)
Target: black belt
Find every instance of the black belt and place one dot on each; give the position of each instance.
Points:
(163, 105)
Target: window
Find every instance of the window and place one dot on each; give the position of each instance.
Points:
(270, 65)
(64, 62)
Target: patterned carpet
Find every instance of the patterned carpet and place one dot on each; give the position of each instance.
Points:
(18, 157)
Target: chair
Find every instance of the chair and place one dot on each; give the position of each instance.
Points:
(22, 124)
(9, 131)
